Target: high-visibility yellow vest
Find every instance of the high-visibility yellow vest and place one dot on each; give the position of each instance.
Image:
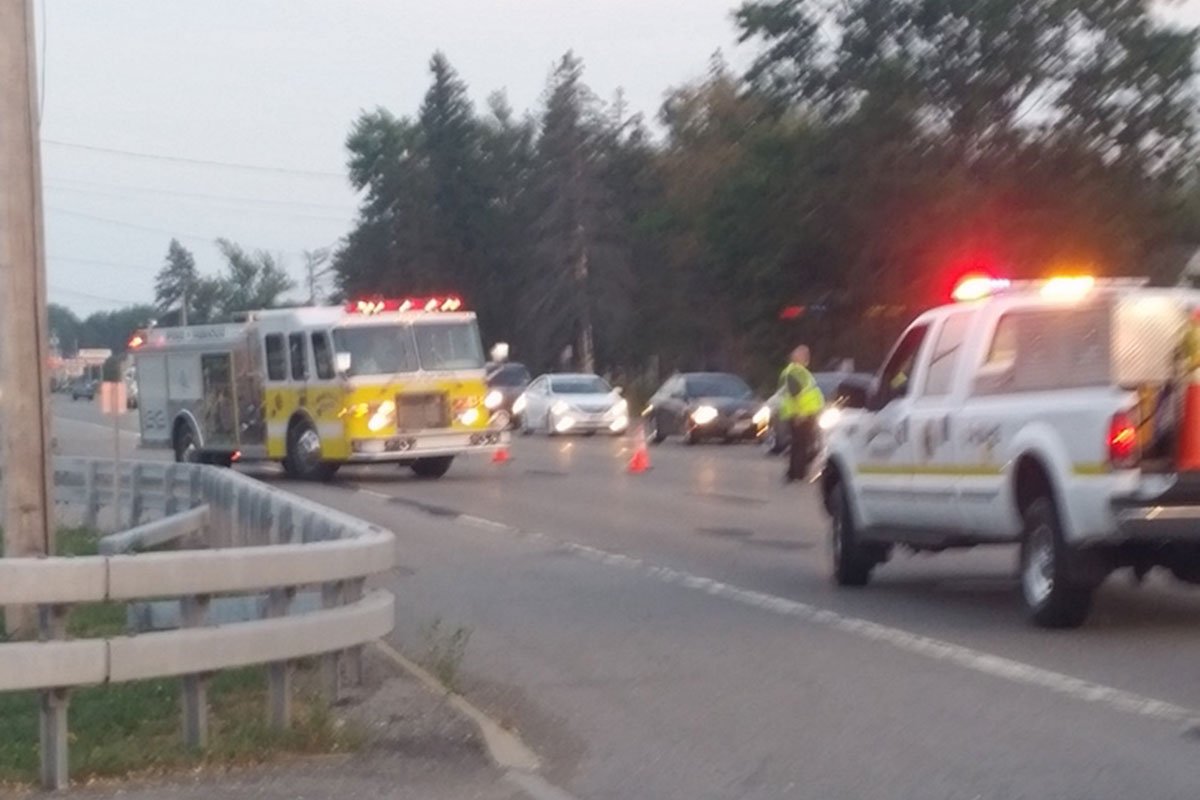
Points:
(801, 395)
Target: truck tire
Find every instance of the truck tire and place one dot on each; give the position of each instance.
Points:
(432, 468)
(303, 457)
(852, 563)
(1052, 596)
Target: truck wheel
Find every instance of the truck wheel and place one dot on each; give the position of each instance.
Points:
(432, 468)
(1053, 598)
(852, 563)
(303, 459)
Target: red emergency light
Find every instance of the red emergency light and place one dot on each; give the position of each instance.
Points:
(380, 305)
(791, 312)
(136, 341)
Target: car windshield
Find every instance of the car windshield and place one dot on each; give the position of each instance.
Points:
(509, 375)
(717, 386)
(377, 349)
(579, 384)
(448, 345)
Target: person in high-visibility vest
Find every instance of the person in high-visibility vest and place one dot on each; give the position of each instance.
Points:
(799, 406)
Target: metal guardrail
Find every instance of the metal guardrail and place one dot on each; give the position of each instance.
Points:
(241, 536)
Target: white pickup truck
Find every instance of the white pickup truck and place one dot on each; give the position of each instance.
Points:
(1044, 415)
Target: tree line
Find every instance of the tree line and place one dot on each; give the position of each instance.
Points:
(874, 151)
(869, 154)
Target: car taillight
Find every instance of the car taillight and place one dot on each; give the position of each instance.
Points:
(1123, 450)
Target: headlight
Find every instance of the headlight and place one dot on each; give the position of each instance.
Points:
(559, 408)
(519, 404)
(383, 417)
(704, 415)
(493, 400)
(762, 417)
(619, 409)
(828, 418)
(469, 417)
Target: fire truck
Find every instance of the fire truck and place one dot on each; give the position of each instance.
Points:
(375, 381)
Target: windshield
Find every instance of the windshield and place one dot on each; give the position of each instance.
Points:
(579, 384)
(377, 349)
(510, 375)
(717, 386)
(448, 345)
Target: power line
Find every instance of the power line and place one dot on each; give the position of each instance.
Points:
(121, 188)
(194, 161)
(131, 225)
(239, 209)
(101, 298)
(97, 262)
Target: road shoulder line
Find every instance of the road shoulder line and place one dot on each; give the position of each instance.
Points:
(935, 649)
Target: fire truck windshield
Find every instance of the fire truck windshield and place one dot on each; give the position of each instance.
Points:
(391, 349)
(377, 349)
(448, 345)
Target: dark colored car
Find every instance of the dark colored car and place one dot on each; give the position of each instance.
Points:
(506, 382)
(83, 388)
(779, 436)
(703, 405)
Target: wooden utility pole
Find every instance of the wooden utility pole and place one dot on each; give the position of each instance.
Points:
(27, 477)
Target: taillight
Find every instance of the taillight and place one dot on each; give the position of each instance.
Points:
(1123, 450)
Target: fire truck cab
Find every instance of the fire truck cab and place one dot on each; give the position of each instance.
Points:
(314, 388)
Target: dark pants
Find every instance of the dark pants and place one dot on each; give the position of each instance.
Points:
(803, 431)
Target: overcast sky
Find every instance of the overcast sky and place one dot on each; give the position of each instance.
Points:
(276, 84)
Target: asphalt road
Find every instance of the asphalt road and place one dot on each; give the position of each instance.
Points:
(675, 635)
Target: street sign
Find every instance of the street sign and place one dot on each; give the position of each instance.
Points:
(112, 398)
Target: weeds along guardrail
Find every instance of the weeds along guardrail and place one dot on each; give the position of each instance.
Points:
(234, 536)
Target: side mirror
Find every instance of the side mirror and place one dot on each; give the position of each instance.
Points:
(853, 395)
(343, 362)
(617, 390)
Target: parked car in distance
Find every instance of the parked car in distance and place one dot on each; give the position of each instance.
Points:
(83, 388)
(704, 405)
(778, 436)
(572, 403)
(506, 382)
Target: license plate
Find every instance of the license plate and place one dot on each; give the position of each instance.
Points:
(372, 447)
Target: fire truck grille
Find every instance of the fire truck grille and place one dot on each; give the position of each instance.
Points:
(416, 412)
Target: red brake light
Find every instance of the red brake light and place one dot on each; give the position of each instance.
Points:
(1123, 450)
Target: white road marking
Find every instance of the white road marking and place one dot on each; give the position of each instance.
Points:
(935, 649)
(373, 493)
(480, 522)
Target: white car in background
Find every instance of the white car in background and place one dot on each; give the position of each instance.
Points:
(561, 403)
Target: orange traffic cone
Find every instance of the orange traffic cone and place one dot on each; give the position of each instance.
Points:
(501, 456)
(641, 456)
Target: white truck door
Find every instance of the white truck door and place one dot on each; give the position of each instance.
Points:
(937, 471)
(883, 440)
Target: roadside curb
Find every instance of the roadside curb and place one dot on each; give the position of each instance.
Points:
(505, 749)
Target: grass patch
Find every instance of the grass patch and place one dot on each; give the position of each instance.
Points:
(136, 728)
